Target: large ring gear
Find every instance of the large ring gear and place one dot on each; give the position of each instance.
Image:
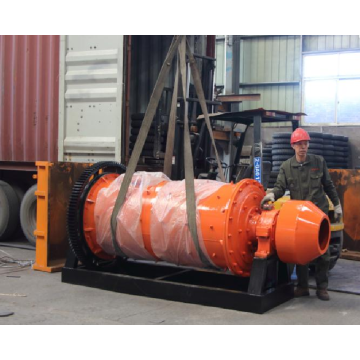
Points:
(75, 209)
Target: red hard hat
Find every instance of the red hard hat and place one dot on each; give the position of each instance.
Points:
(299, 135)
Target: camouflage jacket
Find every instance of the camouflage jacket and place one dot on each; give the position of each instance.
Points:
(307, 181)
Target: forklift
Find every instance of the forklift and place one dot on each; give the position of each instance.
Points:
(257, 169)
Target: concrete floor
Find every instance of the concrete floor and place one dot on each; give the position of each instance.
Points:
(47, 300)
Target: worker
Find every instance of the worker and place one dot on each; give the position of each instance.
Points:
(307, 178)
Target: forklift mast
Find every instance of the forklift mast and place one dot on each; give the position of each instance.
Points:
(256, 118)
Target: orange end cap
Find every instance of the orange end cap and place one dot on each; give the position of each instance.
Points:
(89, 226)
(302, 232)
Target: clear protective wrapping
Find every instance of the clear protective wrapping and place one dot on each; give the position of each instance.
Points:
(170, 235)
(128, 232)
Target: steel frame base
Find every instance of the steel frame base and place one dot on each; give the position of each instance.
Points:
(174, 283)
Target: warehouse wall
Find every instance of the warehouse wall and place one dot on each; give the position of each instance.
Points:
(271, 66)
(330, 42)
(220, 75)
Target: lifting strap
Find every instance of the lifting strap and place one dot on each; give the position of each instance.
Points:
(189, 163)
(140, 141)
(171, 128)
(200, 93)
(179, 43)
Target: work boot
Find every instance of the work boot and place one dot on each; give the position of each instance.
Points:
(299, 292)
(322, 294)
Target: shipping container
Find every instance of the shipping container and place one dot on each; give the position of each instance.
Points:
(29, 83)
(71, 99)
(29, 96)
(86, 127)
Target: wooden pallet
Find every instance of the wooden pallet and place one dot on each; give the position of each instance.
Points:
(350, 255)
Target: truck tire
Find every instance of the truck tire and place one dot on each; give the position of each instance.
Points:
(282, 141)
(316, 135)
(315, 151)
(28, 215)
(19, 192)
(138, 116)
(9, 211)
(290, 152)
(315, 145)
(284, 135)
(277, 163)
(328, 137)
(281, 157)
(282, 147)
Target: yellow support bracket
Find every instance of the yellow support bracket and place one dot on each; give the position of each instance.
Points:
(41, 232)
(54, 185)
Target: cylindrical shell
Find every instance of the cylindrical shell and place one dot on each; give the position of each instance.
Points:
(224, 228)
(231, 227)
(152, 223)
(302, 232)
(170, 236)
(129, 228)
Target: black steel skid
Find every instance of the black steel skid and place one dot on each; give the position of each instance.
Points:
(258, 294)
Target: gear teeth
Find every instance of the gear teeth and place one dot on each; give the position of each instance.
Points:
(74, 229)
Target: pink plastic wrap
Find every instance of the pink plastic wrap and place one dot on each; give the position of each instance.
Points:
(128, 232)
(170, 236)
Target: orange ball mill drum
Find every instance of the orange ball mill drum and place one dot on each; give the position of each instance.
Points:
(232, 228)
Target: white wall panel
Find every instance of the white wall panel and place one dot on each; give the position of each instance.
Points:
(316, 43)
(90, 100)
(273, 60)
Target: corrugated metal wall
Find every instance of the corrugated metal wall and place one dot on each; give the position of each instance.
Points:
(220, 60)
(271, 66)
(29, 83)
(330, 42)
(277, 61)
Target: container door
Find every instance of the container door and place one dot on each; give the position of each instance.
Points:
(90, 101)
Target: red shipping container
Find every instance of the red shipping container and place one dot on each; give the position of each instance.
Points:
(29, 97)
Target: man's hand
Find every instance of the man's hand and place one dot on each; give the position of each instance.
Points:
(338, 213)
(268, 197)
